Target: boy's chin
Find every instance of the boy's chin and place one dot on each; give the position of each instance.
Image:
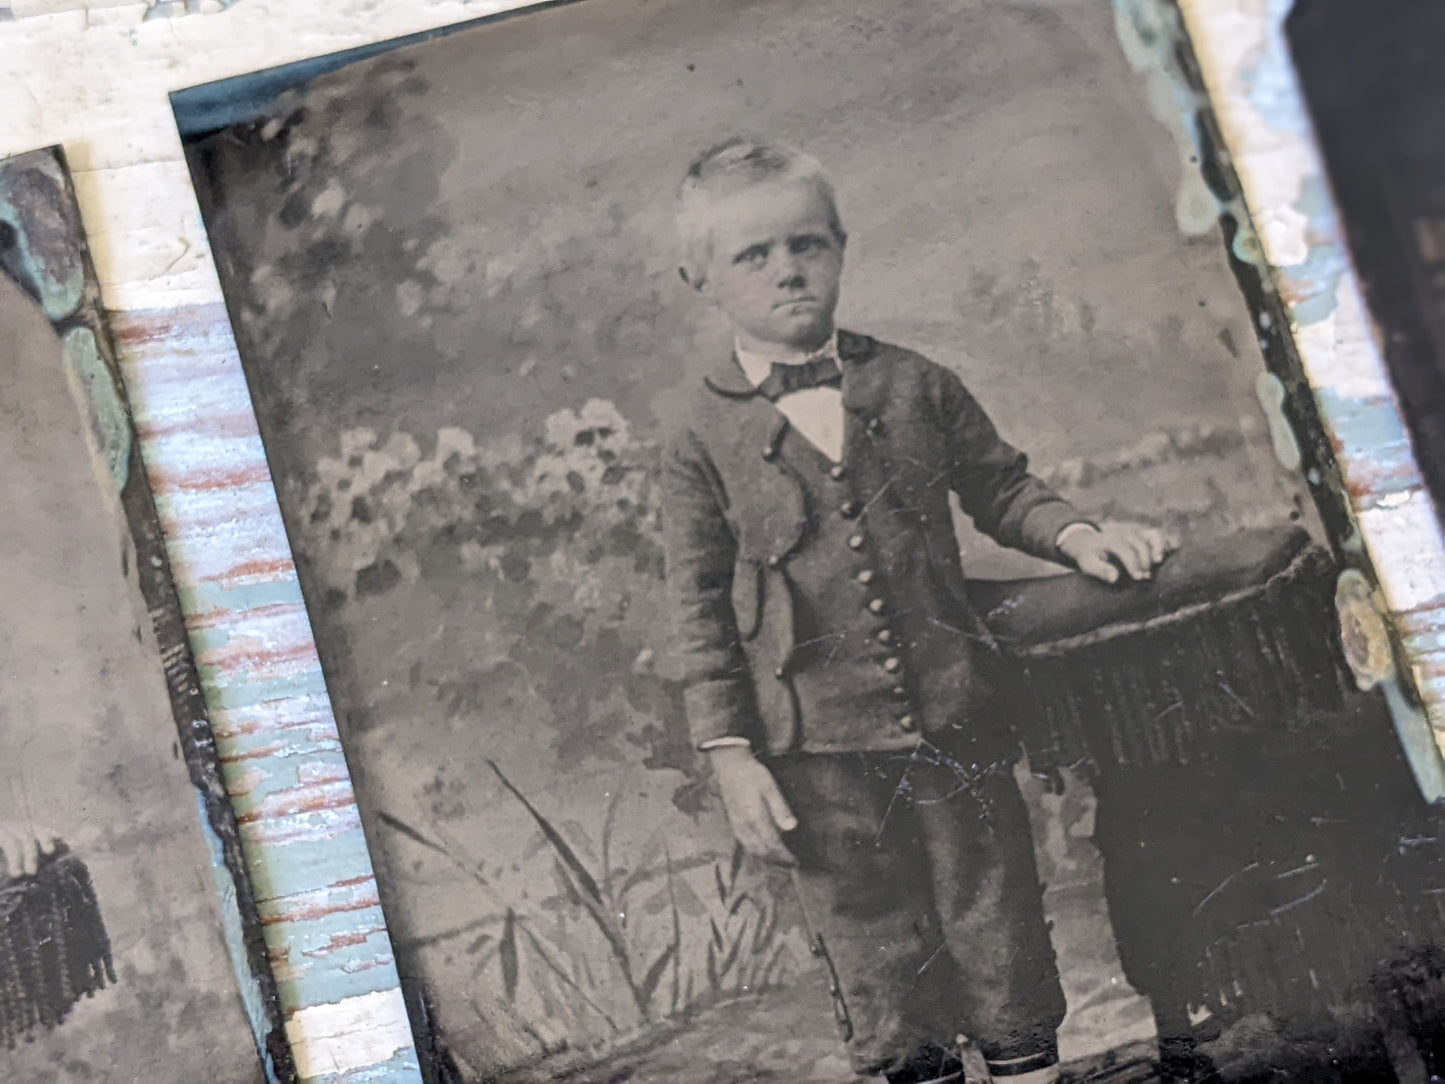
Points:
(804, 335)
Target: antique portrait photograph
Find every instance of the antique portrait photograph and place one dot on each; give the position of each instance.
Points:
(113, 958)
(800, 517)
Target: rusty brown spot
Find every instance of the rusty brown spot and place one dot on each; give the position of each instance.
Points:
(310, 913)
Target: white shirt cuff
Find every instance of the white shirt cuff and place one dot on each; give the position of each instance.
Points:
(723, 743)
(1075, 526)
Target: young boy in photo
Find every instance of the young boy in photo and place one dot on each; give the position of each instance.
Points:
(835, 673)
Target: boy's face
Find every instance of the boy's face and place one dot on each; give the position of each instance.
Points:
(775, 264)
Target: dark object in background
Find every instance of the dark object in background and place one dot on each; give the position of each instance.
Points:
(53, 945)
(1265, 852)
(1375, 85)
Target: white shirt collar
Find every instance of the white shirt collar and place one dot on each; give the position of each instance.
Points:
(756, 366)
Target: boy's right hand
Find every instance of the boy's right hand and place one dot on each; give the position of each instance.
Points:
(756, 809)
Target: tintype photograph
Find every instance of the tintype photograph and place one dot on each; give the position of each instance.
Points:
(805, 551)
(113, 959)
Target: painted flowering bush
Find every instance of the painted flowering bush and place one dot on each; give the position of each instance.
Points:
(551, 543)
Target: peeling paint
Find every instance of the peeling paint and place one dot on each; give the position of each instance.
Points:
(1271, 394)
(110, 422)
(1146, 31)
(43, 231)
(353, 1033)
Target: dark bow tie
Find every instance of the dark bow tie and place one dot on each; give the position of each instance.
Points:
(784, 379)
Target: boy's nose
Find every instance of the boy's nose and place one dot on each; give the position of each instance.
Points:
(791, 276)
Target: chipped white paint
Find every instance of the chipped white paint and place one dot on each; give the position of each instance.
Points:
(1282, 229)
(349, 1035)
(1341, 349)
(1402, 535)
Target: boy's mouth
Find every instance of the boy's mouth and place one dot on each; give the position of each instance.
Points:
(805, 300)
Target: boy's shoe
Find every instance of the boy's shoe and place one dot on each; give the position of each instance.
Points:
(930, 1064)
(1182, 1062)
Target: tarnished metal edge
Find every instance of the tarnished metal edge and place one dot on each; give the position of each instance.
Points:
(70, 297)
(1255, 128)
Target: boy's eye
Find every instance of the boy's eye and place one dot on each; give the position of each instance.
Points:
(752, 257)
(810, 243)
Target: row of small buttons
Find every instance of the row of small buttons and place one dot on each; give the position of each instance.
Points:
(852, 509)
(892, 664)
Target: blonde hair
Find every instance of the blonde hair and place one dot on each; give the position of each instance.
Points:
(729, 167)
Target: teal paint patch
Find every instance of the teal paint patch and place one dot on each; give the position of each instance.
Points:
(1147, 31)
(1318, 277)
(212, 597)
(1372, 422)
(1247, 248)
(108, 417)
(209, 638)
(174, 9)
(1375, 424)
(354, 895)
(329, 855)
(1430, 640)
(323, 934)
(252, 1002)
(266, 747)
(1418, 741)
(47, 256)
(280, 785)
(364, 967)
(228, 695)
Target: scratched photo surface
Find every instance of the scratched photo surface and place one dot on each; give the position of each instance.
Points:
(112, 962)
(453, 274)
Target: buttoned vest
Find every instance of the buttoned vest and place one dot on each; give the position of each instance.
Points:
(848, 669)
(806, 624)
(853, 670)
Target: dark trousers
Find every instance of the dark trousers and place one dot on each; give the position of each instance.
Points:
(919, 874)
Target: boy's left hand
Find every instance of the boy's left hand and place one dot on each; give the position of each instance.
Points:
(1102, 552)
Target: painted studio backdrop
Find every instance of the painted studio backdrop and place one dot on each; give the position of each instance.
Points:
(452, 274)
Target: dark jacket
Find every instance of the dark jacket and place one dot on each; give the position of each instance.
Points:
(734, 517)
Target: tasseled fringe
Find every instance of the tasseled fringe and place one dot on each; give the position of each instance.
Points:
(53, 945)
(1313, 940)
(1207, 683)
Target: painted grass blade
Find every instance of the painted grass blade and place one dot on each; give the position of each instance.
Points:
(654, 975)
(507, 950)
(585, 881)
